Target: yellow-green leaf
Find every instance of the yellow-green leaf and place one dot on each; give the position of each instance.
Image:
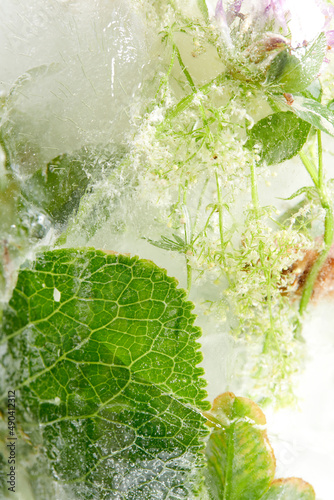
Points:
(291, 488)
(241, 462)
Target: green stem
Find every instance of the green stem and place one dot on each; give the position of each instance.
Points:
(205, 226)
(328, 233)
(254, 191)
(189, 275)
(311, 278)
(309, 167)
(184, 69)
(164, 81)
(220, 212)
(320, 163)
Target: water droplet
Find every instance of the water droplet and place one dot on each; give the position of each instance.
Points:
(56, 295)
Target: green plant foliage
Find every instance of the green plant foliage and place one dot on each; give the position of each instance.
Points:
(204, 9)
(59, 189)
(175, 245)
(280, 137)
(315, 113)
(3, 466)
(295, 72)
(102, 352)
(314, 91)
(291, 488)
(241, 462)
(276, 68)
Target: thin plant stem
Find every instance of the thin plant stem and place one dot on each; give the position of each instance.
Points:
(165, 79)
(205, 226)
(220, 212)
(309, 167)
(184, 69)
(193, 88)
(328, 231)
(254, 190)
(320, 163)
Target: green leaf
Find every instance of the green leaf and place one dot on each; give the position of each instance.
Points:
(280, 136)
(296, 72)
(241, 463)
(204, 9)
(102, 352)
(315, 113)
(59, 188)
(276, 67)
(176, 245)
(289, 489)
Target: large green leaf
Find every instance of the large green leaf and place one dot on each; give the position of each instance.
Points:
(241, 463)
(296, 71)
(290, 489)
(102, 352)
(280, 136)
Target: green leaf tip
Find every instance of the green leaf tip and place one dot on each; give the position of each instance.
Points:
(291, 488)
(240, 460)
(102, 351)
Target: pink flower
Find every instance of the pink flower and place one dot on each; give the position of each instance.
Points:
(221, 20)
(232, 11)
(301, 20)
(277, 10)
(330, 39)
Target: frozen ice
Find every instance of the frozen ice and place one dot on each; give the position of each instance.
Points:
(73, 68)
(75, 71)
